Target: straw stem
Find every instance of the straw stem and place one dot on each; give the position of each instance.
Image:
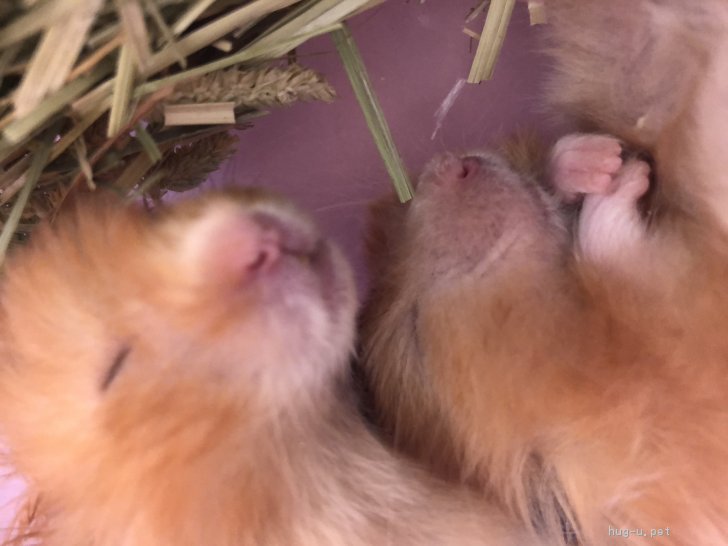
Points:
(373, 114)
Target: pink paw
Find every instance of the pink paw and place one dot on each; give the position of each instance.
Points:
(610, 225)
(584, 163)
(632, 181)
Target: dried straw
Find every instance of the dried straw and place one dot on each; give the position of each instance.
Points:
(258, 87)
(185, 167)
(89, 68)
(491, 40)
(373, 114)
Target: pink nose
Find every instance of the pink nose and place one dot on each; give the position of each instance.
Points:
(450, 169)
(260, 248)
(239, 249)
(471, 166)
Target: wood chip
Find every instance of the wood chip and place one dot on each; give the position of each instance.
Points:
(211, 113)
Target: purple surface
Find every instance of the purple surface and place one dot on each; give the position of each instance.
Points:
(322, 155)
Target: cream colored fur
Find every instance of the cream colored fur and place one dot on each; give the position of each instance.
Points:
(231, 420)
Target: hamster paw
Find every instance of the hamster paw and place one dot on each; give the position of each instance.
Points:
(610, 224)
(584, 164)
(632, 181)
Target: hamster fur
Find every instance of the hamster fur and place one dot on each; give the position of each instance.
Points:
(181, 378)
(613, 368)
(652, 73)
(628, 67)
(585, 391)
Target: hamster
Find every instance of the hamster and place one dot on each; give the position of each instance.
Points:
(651, 73)
(584, 390)
(460, 263)
(579, 381)
(628, 67)
(610, 230)
(181, 378)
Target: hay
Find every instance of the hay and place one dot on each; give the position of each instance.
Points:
(372, 111)
(102, 72)
(490, 41)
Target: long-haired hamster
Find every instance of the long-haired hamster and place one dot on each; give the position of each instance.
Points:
(628, 67)
(582, 382)
(181, 378)
(652, 73)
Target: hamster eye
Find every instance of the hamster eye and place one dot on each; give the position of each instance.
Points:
(115, 367)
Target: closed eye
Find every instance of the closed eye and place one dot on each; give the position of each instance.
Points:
(115, 367)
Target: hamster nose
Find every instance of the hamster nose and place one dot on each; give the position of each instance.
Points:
(470, 166)
(242, 248)
(450, 170)
(260, 249)
(292, 237)
(266, 236)
(230, 244)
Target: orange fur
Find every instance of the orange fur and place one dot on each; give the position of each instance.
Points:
(628, 67)
(653, 74)
(581, 391)
(230, 420)
(580, 395)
